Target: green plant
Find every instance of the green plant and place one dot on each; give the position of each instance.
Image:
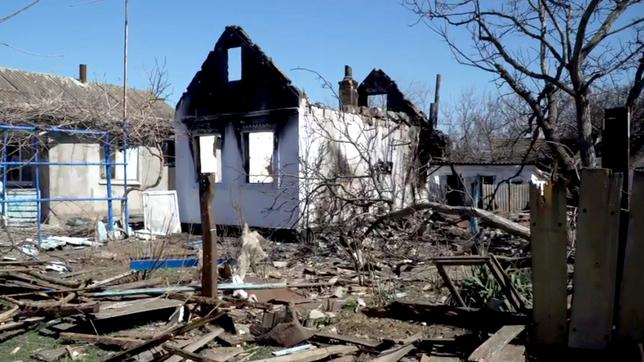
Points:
(481, 290)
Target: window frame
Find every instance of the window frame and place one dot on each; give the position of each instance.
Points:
(246, 160)
(114, 153)
(197, 142)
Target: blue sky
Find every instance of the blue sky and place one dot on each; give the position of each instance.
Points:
(319, 35)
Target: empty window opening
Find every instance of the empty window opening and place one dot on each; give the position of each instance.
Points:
(117, 159)
(487, 180)
(210, 155)
(234, 64)
(259, 156)
(19, 175)
(377, 101)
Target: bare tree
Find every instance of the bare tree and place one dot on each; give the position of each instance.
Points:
(539, 48)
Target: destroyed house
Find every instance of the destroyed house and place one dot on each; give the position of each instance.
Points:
(270, 148)
(57, 116)
(497, 178)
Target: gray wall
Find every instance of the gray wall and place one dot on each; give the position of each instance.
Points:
(85, 181)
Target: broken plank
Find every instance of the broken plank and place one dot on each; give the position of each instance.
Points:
(630, 319)
(549, 237)
(111, 279)
(493, 345)
(200, 343)
(8, 313)
(394, 355)
(120, 309)
(596, 253)
(313, 355)
(510, 353)
(120, 342)
(60, 310)
(49, 279)
(162, 338)
(183, 354)
(16, 325)
(347, 339)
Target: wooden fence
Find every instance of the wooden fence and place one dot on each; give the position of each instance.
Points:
(608, 296)
(508, 198)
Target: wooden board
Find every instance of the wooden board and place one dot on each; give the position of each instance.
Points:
(549, 235)
(630, 316)
(196, 345)
(120, 309)
(493, 345)
(595, 259)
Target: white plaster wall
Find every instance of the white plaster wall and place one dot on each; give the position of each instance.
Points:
(362, 141)
(85, 181)
(269, 205)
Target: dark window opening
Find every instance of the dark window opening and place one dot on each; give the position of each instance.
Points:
(169, 153)
(487, 180)
(19, 175)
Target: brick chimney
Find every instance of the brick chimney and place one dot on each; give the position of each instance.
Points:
(82, 73)
(348, 91)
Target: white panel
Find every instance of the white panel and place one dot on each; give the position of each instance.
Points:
(161, 212)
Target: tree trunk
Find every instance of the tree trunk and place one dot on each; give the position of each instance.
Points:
(584, 131)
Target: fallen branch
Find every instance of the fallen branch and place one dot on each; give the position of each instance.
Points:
(488, 217)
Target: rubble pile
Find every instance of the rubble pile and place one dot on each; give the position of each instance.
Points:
(276, 302)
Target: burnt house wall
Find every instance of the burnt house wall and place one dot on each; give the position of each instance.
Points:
(263, 99)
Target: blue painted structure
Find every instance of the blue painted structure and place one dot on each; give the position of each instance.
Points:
(150, 264)
(6, 200)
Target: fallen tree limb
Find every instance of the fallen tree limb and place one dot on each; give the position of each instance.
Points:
(487, 217)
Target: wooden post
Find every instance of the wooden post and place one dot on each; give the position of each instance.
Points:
(616, 156)
(630, 310)
(596, 259)
(208, 230)
(616, 145)
(437, 99)
(548, 239)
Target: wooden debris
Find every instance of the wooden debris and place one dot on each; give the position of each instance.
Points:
(200, 343)
(493, 345)
(313, 355)
(222, 354)
(162, 338)
(444, 314)
(394, 355)
(8, 313)
(49, 279)
(120, 309)
(181, 354)
(50, 355)
(123, 343)
(347, 339)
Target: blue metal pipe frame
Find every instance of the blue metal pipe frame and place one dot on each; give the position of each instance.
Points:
(36, 163)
